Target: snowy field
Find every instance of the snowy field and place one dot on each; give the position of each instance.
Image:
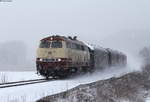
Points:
(148, 100)
(17, 76)
(30, 93)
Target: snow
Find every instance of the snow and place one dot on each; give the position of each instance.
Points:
(148, 100)
(30, 93)
(89, 45)
(16, 76)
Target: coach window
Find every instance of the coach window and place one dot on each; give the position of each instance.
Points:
(56, 44)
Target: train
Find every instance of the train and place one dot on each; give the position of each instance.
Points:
(60, 56)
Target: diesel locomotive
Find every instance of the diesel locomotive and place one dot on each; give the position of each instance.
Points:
(60, 56)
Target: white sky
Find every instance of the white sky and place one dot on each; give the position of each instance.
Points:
(90, 20)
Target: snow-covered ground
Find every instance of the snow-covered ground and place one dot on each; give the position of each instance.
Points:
(16, 76)
(148, 100)
(30, 93)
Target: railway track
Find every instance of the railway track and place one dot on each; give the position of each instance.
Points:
(21, 83)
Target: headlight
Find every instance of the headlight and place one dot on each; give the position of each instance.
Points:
(40, 59)
(59, 59)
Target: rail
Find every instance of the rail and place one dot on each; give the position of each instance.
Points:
(21, 83)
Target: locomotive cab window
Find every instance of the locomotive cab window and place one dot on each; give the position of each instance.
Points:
(56, 44)
(44, 44)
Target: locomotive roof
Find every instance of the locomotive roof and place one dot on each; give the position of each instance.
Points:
(62, 38)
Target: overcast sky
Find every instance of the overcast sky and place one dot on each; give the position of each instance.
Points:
(90, 20)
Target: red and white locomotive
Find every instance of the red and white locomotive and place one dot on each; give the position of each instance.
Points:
(61, 56)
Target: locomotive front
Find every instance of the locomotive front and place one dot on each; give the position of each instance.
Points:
(52, 59)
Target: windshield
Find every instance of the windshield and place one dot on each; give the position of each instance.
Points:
(44, 44)
(54, 44)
